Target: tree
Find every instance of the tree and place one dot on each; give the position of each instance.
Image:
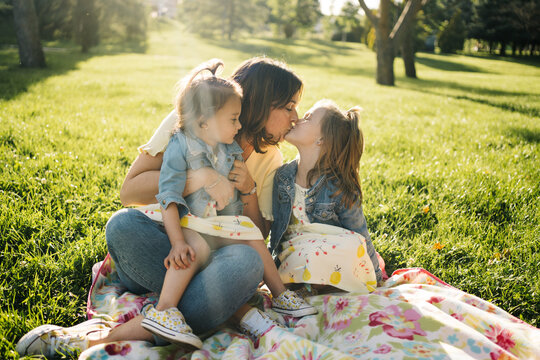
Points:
(224, 17)
(452, 35)
(26, 28)
(290, 15)
(348, 24)
(86, 24)
(387, 37)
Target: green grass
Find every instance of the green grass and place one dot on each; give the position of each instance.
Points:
(451, 162)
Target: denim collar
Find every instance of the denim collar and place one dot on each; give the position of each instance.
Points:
(288, 174)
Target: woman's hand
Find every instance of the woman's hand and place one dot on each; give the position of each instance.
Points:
(180, 256)
(241, 178)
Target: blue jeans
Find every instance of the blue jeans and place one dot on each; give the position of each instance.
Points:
(138, 247)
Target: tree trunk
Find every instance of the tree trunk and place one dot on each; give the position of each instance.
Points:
(86, 24)
(26, 27)
(502, 52)
(385, 46)
(407, 51)
(231, 19)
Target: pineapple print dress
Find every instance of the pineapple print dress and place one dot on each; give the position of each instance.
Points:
(324, 254)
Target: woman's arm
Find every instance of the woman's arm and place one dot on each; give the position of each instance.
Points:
(141, 184)
(243, 181)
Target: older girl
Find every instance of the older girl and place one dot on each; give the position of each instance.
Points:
(319, 232)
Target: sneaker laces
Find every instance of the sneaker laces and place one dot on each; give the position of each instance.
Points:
(258, 325)
(62, 343)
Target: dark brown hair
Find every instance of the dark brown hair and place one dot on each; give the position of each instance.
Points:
(200, 97)
(341, 150)
(267, 84)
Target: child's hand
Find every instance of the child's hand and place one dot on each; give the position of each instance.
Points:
(180, 256)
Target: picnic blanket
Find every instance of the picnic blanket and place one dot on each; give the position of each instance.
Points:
(414, 315)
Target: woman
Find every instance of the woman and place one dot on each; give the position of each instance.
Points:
(136, 243)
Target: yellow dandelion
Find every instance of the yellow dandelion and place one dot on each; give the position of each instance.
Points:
(217, 227)
(425, 209)
(438, 246)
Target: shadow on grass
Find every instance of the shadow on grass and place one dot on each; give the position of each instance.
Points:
(60, 59)
(314, 53)
(523, 60)
(443, 63)
(473, 93)
(528, 135)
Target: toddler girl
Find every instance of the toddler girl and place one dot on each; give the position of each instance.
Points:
(208, 108)
(319, 233)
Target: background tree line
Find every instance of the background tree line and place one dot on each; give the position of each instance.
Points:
(85, 21)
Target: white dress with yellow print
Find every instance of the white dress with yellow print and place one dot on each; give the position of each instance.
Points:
(324, 254)
(236, 227)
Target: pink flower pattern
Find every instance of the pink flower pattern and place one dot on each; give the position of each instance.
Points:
(397, 323)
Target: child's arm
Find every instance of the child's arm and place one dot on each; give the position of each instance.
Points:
(181, 253)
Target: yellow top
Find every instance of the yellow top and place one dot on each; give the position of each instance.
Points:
(261, 167)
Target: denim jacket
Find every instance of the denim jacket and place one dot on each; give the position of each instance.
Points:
(320, 208)
(185, 152)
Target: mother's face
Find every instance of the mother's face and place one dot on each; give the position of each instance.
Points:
(281, 120)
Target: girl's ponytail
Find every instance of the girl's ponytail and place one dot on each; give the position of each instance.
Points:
(342, 148)
(353, 114)
(200, 96)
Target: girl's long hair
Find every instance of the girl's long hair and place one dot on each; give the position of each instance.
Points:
(267, 84)
(341, 150)
(201, 95)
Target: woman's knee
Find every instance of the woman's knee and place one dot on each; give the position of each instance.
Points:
(117, 226)
(247, 262)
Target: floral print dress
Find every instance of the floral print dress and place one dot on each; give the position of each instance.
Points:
(324, 254)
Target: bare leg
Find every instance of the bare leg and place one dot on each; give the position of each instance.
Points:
(176, 281)
(271, 275)
(131, 330)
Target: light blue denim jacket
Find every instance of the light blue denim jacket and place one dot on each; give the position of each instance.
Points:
(320, 208)
(185, 152)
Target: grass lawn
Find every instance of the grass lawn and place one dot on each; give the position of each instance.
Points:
(451, 170)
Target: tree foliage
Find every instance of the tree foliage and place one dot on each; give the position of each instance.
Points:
(452, 34)
(348, 24)
(87, 21)
(499, 22)
(227, 18)
(290, 15)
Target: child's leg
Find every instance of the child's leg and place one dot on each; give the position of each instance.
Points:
(176, 281)
(271, 275)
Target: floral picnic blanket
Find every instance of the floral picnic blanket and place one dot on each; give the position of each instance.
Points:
(414, 315)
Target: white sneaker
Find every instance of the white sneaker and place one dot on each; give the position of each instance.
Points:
(51, 340)
(169, 324)
(256, 323)
(289, 303)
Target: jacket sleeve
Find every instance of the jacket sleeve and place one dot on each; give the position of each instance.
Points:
(172, 176)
